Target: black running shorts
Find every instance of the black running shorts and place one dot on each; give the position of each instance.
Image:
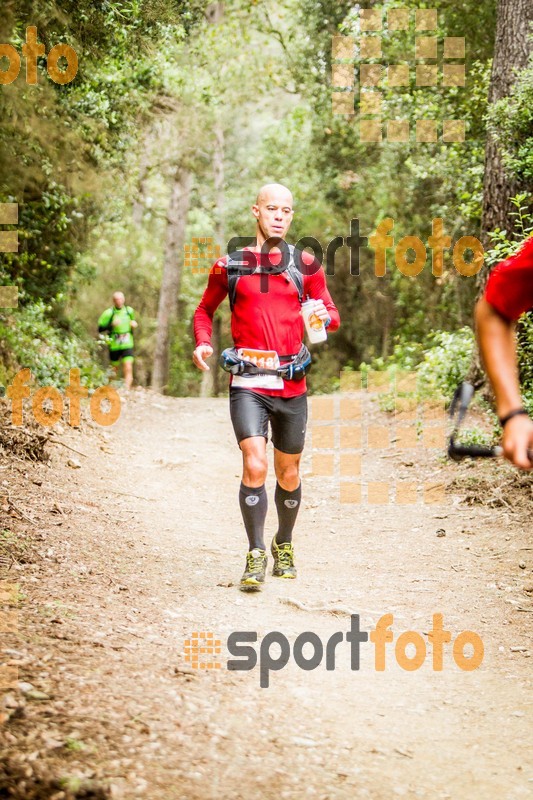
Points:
(251, 412)
(118, 355)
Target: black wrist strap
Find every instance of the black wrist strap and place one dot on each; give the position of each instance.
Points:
(511, 414)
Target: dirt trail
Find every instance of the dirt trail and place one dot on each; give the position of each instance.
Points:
(146, 545)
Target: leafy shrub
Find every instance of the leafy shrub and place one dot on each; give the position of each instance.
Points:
(446, 363)
(525, 359)
(510, 121)
(30, 340)
(476, 436)
(441, 364)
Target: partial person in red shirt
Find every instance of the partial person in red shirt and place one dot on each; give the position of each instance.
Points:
(266, 317)
(508, 294)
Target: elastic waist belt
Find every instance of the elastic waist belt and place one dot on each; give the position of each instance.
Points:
(294, 370)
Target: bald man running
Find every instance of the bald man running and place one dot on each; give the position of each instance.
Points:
(118, 320)
(266, 319)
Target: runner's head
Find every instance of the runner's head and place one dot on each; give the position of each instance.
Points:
(273, 212)
(118, 299)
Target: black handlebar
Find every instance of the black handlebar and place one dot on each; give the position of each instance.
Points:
(459, 451)
(461, 400)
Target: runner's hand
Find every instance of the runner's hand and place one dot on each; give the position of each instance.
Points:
(321, 311)
(133, 323)
(201, 352)
(517, 439)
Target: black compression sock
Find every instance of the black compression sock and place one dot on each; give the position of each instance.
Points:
(288, 505)
(254, 504)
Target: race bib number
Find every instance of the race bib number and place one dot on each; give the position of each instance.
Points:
(266, 359)
(122, 338)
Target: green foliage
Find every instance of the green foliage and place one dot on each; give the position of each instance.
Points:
(405, 356)
(47, 230)
(412, 183)
(75, 745)
(184, 378)
(441, 364)
(155, 81)
(510, 120)
(447, 362)
(32, 341)
(476, 436)
(63, 152)
(502, 245)
(525, 359)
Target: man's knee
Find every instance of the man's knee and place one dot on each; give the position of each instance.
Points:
(255, 468)
(288, 475)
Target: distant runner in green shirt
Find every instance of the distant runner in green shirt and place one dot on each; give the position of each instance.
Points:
(119, 322)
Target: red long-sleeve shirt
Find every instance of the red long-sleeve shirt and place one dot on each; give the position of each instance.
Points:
(268, 320)
(510, 284)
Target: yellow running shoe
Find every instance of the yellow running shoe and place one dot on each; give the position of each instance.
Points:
(254, 573)
(283, 559)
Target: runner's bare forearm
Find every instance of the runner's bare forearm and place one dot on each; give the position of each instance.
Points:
(497, 344)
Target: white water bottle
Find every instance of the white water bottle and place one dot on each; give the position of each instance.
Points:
(316, 330)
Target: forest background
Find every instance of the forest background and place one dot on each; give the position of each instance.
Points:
(180, 111)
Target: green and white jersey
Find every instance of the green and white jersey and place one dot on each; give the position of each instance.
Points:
(117, 322)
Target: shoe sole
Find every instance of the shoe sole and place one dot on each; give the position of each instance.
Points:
(250, 587)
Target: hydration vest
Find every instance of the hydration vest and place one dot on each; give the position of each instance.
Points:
(237, 268)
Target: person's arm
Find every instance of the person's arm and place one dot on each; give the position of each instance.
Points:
(315, 286)
(496, 336)
(131, 314)
(104, 320)
(216, 291)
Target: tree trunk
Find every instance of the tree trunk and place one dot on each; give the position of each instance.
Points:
(172, 271)
(218, 169)
(214, 12)
(139, 201)
(511, 52)
(211, 380)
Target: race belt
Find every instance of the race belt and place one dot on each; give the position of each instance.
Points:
(294, 370)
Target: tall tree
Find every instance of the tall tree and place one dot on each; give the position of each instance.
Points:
(172, 271)
(210, 380)
(511, 53)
